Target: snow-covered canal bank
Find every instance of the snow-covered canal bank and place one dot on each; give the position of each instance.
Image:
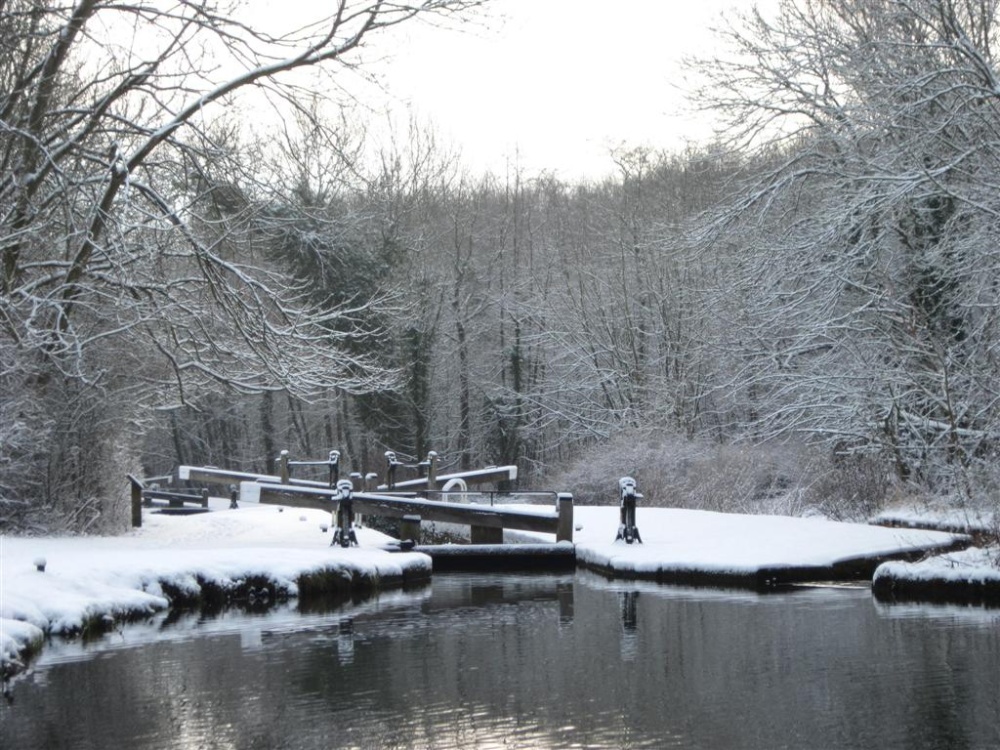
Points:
(97, 581)
(90, 581)
(699, 547)
(524, 660)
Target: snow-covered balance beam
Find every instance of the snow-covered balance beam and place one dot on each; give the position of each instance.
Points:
(471, 478)
(210, 475)
(479, 517)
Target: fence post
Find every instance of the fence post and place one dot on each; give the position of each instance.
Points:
(283, 467)
(409, 529)
(334, 461)
(390, 472)
(432, 458)
(136, 501)
(564, 531)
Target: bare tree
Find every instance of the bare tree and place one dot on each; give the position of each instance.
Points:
(865, 235)
(115, 278)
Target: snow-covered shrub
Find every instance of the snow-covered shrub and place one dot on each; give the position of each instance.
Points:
(852, 488)
(27, 428)
(67, 448)
(673, 471)
(24, 436)
(978, 493)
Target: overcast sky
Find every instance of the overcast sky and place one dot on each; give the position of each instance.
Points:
(557, 83)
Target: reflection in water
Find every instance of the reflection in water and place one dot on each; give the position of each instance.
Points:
(630, 624)
(530, 661)
(564, 595)
(345, 641)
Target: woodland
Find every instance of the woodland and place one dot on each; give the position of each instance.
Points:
(800, 315)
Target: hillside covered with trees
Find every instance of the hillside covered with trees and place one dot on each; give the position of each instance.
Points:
(806, 308)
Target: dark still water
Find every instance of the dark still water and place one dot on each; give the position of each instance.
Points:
(530, 661)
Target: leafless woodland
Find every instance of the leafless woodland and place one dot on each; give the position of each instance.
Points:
(800, 315)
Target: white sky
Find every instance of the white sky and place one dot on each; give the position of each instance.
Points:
(556, 84)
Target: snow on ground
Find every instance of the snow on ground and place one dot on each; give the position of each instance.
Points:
(951, 517)
(88, 578)
(973, 565)
(691, 540)
(971, 575)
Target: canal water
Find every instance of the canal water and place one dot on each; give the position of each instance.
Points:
(519, 661)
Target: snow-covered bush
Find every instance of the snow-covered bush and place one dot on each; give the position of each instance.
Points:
(673, 471)
(67, 448)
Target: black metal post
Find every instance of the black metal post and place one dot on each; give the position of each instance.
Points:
(344, 534)
(628, 496)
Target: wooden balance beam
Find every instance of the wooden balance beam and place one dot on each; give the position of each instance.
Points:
(211, 475)
(486, 522)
